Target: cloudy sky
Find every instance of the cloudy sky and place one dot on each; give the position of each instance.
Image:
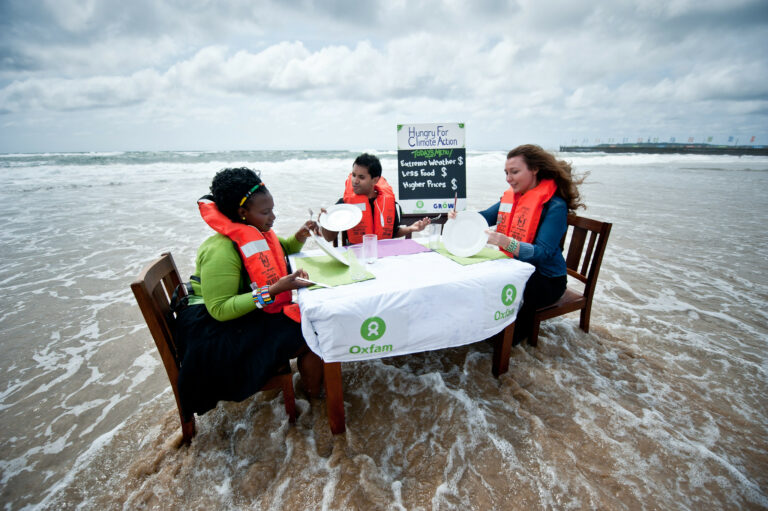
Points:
(106, 75)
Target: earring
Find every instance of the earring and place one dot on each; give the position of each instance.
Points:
(242, 217)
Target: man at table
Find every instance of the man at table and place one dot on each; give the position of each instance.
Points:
(366, 188)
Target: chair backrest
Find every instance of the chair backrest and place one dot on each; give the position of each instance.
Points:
(344, 239)
(406, 219)
(153, 290)
(582, 264)
(409, 218)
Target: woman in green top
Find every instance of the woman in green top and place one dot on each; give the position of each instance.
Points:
(231, 340)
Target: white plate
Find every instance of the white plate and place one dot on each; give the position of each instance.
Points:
(465, 235)
(329, 249)
(341, 217)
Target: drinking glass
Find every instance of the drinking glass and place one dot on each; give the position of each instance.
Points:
(354, 256)
(433, 230)
(370, 248)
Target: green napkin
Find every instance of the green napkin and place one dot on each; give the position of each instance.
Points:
(327, 270)
(486, 254)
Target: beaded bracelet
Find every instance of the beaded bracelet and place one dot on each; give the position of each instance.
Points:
(265, 296)
(261, 297)
(513, 244)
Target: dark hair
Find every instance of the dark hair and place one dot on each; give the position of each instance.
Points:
(370, 162)
(229, 186)
(549, 167)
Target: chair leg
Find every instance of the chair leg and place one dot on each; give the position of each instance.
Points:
(533, 338)
(584, 322)
(187, 428)
(289, 398)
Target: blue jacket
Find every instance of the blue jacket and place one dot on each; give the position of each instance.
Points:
(544, 253)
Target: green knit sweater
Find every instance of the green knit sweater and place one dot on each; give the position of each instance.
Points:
(224, 285)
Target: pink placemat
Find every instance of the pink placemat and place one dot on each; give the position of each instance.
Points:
(396, 247)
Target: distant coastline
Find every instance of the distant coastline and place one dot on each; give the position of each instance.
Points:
(667, 148)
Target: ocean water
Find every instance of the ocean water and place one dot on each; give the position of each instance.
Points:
(662, 405)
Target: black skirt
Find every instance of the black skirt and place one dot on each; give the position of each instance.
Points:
(231, 360)
(540, 291)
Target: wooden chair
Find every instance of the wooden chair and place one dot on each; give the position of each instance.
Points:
(344, 240)
(409, 218)
(153, 289)
(406, 219)
(590, 267)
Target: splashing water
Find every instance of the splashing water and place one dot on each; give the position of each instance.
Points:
(661, 405)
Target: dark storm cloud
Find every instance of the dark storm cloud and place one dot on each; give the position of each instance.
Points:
(677, 64)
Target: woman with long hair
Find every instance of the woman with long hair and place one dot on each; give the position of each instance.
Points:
(531, 219)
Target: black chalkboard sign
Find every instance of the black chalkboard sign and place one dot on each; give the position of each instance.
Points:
(429, 179)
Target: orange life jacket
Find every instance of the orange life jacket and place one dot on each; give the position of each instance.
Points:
(261, 253)
(519, 214)
(380, 222)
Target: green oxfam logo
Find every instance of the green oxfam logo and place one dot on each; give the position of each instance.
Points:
(508, 294)
(373, 328)
(420, 204)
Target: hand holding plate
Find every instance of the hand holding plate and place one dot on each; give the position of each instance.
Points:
(293, 280)
(309, 227)
(496, 238)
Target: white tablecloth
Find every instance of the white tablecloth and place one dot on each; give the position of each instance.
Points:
(416, 303)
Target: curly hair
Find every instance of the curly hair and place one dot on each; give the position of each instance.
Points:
(549, 167)
(229, 186)
(370, 162)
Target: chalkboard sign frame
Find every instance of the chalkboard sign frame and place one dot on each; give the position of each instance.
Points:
(431, 168)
